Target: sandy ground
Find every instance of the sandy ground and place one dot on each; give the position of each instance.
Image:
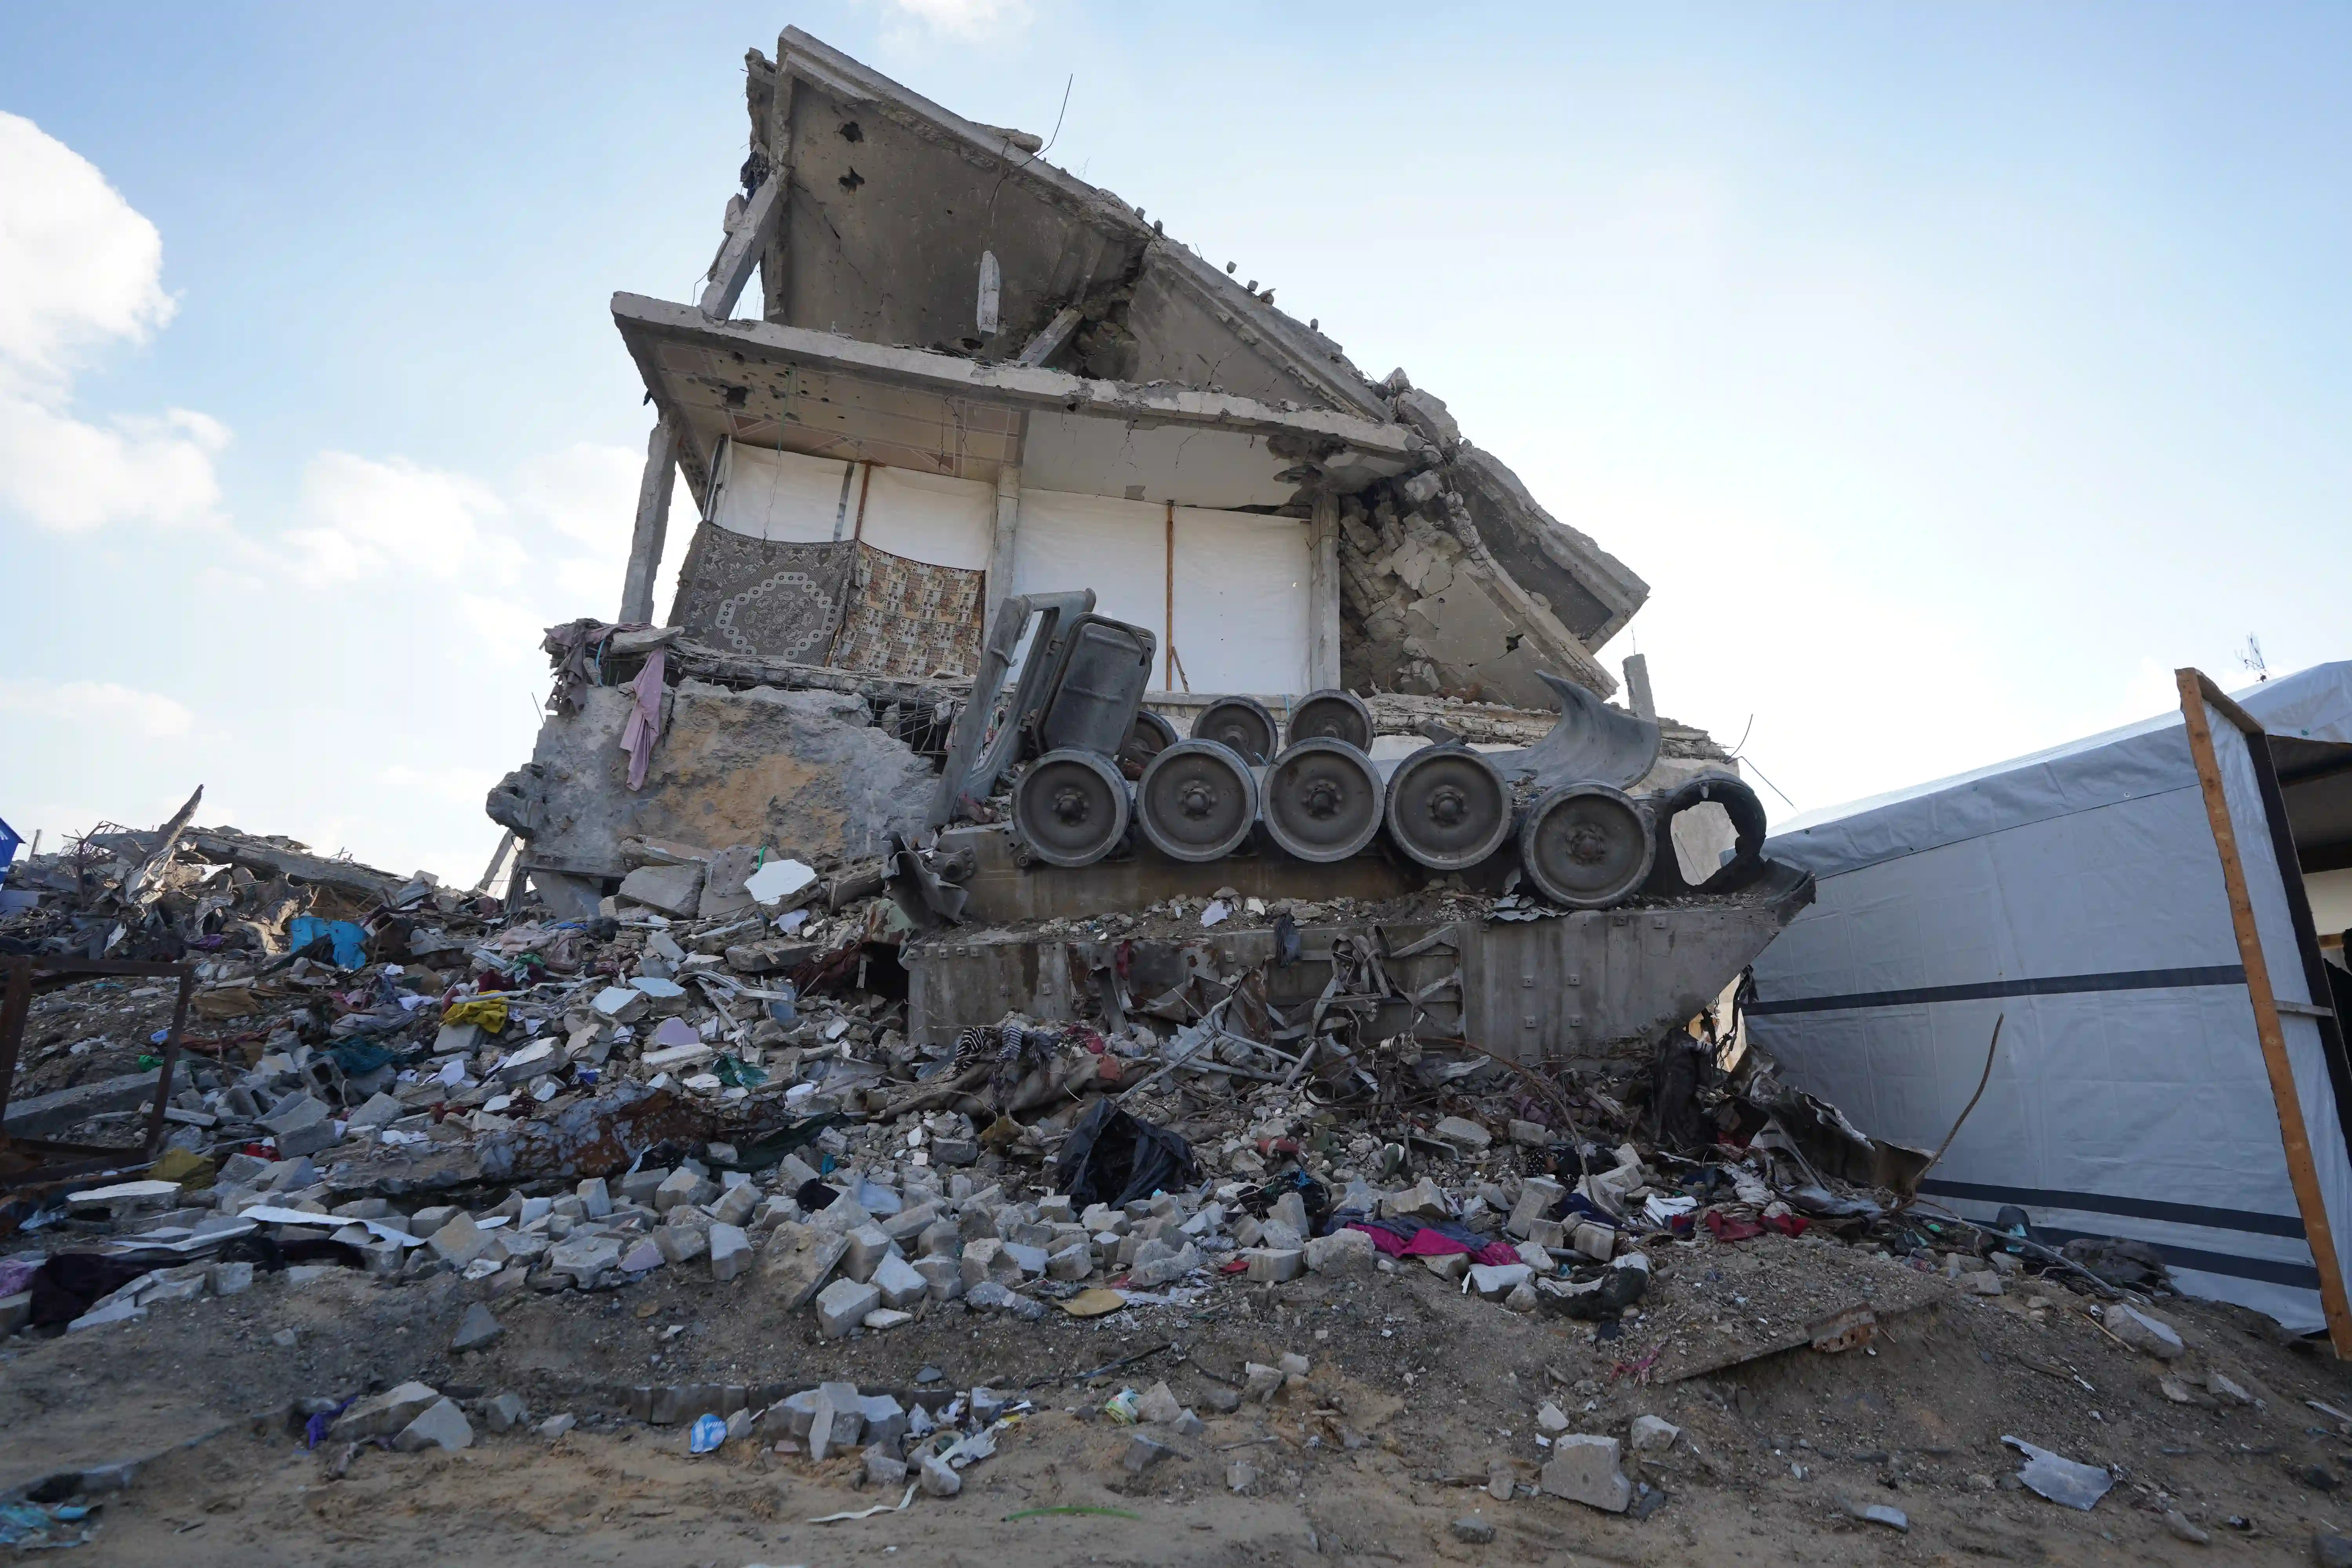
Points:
(1417, 1393)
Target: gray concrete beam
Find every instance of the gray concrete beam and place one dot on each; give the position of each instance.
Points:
(653, 525)
(643, 320)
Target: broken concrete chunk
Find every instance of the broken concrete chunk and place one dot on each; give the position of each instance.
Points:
(384, 1414)
(675, 890)
(1651, 1434)
(775, 886)
(731, 1251)
(1584, 1468)
(2144, 1331)
(460, 1241)
(799, 1262)
(440, 1425)
(1342, 1252)
(1463, 1133)
(937, 1479)
(842, 1305)
(476, 1329)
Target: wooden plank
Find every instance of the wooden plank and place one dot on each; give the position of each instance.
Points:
(652, 525)
(746, 242)
(2195, 692)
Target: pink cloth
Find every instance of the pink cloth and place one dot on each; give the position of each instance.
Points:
(645, 725)
(1429, 1243)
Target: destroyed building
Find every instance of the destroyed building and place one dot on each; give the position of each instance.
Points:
(968, 379)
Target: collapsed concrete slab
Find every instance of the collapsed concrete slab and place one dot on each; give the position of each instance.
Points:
(802, 774)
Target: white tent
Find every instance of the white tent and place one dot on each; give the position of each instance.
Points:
(2135, 906)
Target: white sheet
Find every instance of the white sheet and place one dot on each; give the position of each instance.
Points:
(1118, 548)
(930, 518)
(781, 496)
(1240, 602)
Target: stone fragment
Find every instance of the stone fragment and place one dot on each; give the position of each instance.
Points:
(1158, 1263)
(583, 1258)
(1275, 1266)
(1463, 1133)
(1539, 1195)
(1651, 1433)
(503, 1412)
(1584, 1468)
(440, 1425)
(1424, 1201)
(798, 1261)
(1341, 1252)
(731, 1251)
(2221, 1386)
(901, 1286)
(884, 1469)
(1494, 1279)
(1159, 1403)
(841, 1305)
(1073, 1262)
(459, 1242)
(991, 1297)
(1983, 1282)
(1474, 1530)
(675, 890)
(384, 1414)
(476, 1330)
(2177, 1522)
(2144, 1331)
(1260, 1381)
(1241, 1476)
(836, 1417)
(229, 1278)
(380, 1111)
(557, 1426)
(1143, 1453)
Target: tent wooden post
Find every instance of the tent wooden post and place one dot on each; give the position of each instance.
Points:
(2196, 692)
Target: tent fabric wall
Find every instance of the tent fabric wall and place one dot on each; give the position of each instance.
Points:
(932, 518)
(1118, 548)
(2079, 893)
(1240, 602)
(784, 497)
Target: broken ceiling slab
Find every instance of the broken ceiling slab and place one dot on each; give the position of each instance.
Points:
(894, 199)
(1590, 592)
(829, 396)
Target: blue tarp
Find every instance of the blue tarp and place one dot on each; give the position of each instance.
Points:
(9, 842)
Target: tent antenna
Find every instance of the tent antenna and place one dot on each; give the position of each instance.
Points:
(2252, 657)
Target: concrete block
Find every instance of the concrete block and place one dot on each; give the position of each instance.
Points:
(476, 1330)
(1424, 1201)
(503, 1412)
(440, 1425)
(938, 1478)
(798, 1261)
(2141, 1331)
(869, 1245)
(681, 1243)
(383, 1414)
(1494, 1279)
(675, 890)
(381, 1111)
(459, 1242)
(1539, 1195)
(1342, 1252)
(1463, 1133)
(583, 1258)
(1072, 1263)
(899, 1282)
(942, 1278)
(731, 1251)
(842, 1304)
(837, 1417)
(1584, 1468)
(986, 1261)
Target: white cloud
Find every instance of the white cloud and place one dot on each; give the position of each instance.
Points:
(966, 19)
(95, 705)
(81, 269)
(78, 266)
(586, 492)
(68, 476)
(368, 518)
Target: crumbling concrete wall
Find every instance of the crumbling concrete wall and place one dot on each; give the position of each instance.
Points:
(802, 774)
(1425, 608)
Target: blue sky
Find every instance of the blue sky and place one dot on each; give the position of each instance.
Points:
(1951, 374)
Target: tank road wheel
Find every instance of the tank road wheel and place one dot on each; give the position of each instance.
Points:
(1240, 724)
(1071, 808)
(1197, 801)
(1448, 807)
(1332, 715)
(1322, 800)
(1587, 845)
